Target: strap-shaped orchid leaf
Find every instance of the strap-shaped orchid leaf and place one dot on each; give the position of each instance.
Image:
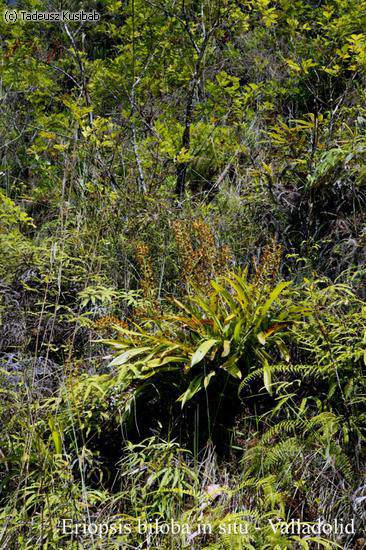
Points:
(125, 356)
(272, 298)
(202, 351)
(194, 387)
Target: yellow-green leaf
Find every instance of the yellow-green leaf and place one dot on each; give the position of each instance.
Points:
(267, 376)
(125, 356)
(56, 437)
(226, 349)
(194, 387)
(201, 351)
(208, 378)
(231, 367)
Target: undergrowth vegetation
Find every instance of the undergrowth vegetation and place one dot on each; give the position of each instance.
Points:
(182, 276)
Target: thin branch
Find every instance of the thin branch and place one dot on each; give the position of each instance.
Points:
(186, 138)
(82, 72)
(134, 84)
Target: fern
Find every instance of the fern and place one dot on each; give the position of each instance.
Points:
(307, 370)
(283, 453)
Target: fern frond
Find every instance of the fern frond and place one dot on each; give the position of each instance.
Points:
(311, 371)
(285, 452)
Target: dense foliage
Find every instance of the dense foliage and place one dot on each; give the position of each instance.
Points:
(182, 274)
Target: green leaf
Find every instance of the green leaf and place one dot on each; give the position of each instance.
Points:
(160, 361)
(231, 367)
(194, 387)
(124, 357)
(226, 349)
(113, 343)
(56, 436)
(92, 384)
(272, 298)
(182, 306)
(283, 350)
(241, 291)
(208, 378)
(267, 376)
(209, 309)
(225, 294)
(237, 329)
(201, 351)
